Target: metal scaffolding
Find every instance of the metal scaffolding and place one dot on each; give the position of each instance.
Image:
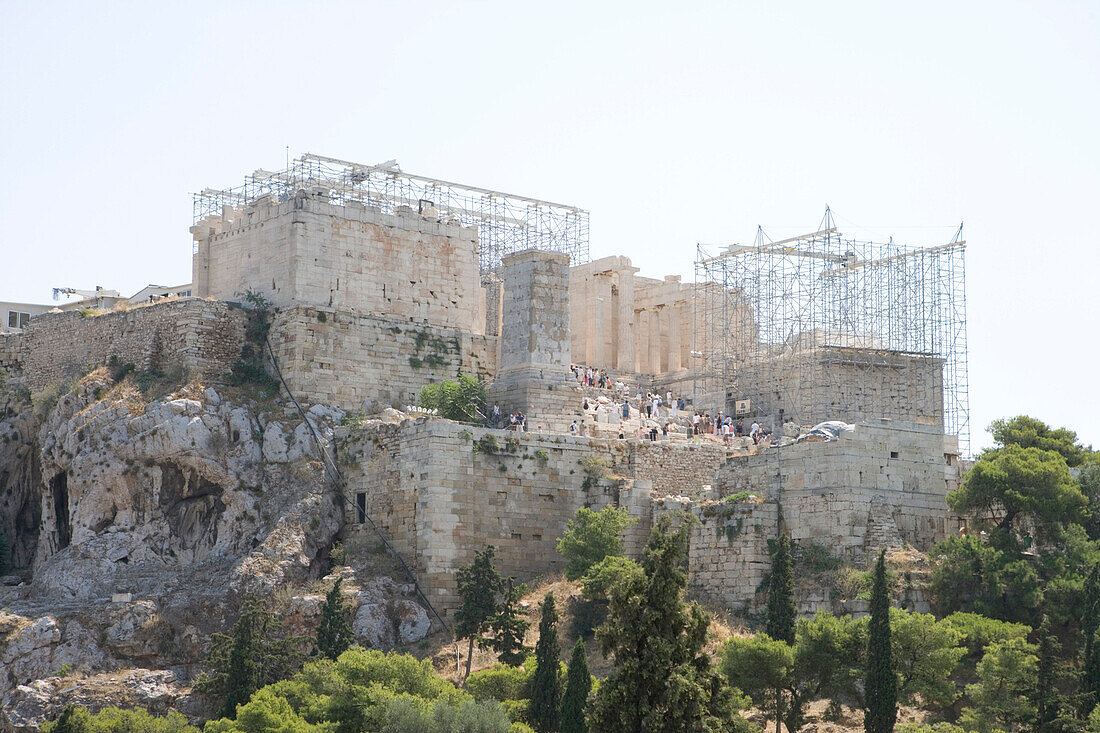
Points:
(824, 327)
(506, 223)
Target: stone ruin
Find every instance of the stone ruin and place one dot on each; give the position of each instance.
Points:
(371, 306)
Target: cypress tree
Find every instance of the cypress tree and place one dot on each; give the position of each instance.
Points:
(781, 611)
(545, 709)
(578, 683)
(1046, 701)
(334, 634)
(881, 685)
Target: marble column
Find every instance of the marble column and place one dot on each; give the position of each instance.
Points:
(674, 350)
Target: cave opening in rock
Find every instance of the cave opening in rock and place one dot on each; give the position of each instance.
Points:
(59, 486)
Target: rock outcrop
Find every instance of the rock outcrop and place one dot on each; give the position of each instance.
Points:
(137, 527)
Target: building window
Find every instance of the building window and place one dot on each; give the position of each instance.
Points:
(17, 319)
(361, 507)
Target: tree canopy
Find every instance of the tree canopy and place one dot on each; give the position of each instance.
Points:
(1019, 482)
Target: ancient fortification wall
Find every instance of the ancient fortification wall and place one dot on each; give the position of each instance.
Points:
(358, 361)
(441, 498)
(201, 335)
(11, 354)
(885, 479)
(441, 491)
(307, 251)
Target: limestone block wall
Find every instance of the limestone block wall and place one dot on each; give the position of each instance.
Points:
(204, 336)
(308, 251)
(533, 374)
(670, 468)
(441, 500)
(358, 361)
(11, 359)
(849, 384)
(729, 556)
(849, 495)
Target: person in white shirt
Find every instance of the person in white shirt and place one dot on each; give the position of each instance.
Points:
(573, 428)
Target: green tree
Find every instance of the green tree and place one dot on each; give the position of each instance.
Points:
(762, 668)
(545, 711)
(409, 715)
(973, 576)
(115, 720)
(925, 653)
(1002, 697)
(781, 611)
(255, 653)
(478, 584)
(342, 696)
(1090, 625)
(881, 685)
(1020, 483)
(458, 399)
(1045, 690)
(334, 634)
(509, 626)
(592, 536)
(73, 719)
(1027, 432)
(663, 679)
(578, 683)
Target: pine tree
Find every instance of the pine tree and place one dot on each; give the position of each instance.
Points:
(881, 685)
(578, 683)
(509, 627)
(1046, 700)
(1090, 663)
(781, 611)
(544, 711)
(478, 584)
(334, 634)
(255, 653)
(657, 643)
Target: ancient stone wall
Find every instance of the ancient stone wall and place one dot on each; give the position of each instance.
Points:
(200, 335)
(672, 469)
(11, 355)
(877, 486)
(849, 384)
(729, 556)
(307, 251)
(441, 499)
(358, 361)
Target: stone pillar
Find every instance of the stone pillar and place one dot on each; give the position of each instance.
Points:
(600, 296)
(624, 359)
(674, 351)
(534, 372)
(655, 340)
(641, 357)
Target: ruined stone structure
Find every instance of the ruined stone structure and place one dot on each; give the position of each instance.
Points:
(371, 306)
(200, 336)
(307, 251)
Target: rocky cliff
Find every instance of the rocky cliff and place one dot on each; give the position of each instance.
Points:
(137, 527)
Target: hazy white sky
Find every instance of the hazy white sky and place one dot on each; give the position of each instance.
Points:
(672, 123)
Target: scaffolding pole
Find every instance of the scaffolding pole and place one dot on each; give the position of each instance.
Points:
(826, 327)
(506, 223)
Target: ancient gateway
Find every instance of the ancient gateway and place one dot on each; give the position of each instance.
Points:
(383, 282)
